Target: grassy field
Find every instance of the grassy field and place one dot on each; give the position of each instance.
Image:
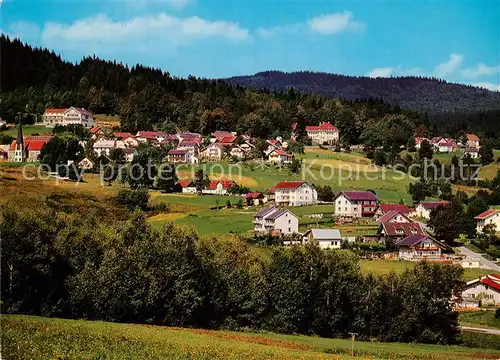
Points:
(27, 130)
(29, 337)
(384, 267)
(482, 319)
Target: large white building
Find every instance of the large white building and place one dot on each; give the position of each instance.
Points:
(324, 133)
(73, 115)
(276, 221)
(488, 217)
(295, 193)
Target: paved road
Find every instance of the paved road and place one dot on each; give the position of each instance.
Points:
(481, 330)
(474, 255)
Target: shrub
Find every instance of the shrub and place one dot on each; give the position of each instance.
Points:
(133, 198)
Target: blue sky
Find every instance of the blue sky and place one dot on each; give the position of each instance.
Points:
(455, 40)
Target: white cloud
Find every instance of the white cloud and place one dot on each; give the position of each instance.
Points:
(279, 30)
(480, 69)
(24, 30)
(380, 72)
(449, 67)
(487, 85)
(336, 23)
(101, 32)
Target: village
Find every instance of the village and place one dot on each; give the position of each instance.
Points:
(399, 227)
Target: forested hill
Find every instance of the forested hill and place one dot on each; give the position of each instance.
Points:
(429, 95)
(145, 98)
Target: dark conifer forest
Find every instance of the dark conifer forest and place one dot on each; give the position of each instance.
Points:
(145, 98)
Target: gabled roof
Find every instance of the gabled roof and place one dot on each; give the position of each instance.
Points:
(178, 152)
(282, 153)
(413, 240)
(394, 229)
(324, 234)
(429, 205)
(265, 211)
(94, 130)
(326, 126)
(447, 144)
(486, 214)
(122, 135)
(36, 145)
(402, 208)
(226, 184)
(273, 142)
(278, 213)
(220, 133)
(418, 140)
(491, 282)
(472, 137)
(228, 139)
(185, 183)
(187, 143)
(253, 195)
(359, 195)
(387, 217)
(288, 185)
(81, 110)
(55, 111)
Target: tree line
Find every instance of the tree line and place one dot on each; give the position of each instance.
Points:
(87, 267)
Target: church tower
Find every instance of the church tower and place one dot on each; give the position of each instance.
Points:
(19, 154)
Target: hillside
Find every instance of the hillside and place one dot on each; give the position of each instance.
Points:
(429, 95)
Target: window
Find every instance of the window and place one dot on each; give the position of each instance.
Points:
(289, 221)
(289, 230)
(331, 242)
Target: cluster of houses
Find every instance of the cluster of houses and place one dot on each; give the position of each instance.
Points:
(188, 147)
(470, 144)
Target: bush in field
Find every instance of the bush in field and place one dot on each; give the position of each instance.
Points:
(133, 198)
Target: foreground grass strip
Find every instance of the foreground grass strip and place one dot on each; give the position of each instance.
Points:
(30, 337)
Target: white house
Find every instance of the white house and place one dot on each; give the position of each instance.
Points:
(324, 133)
(276, 221)
(218, 187)
(187, 186)
(485, 290)
(73, 115)
(418, 247)
(326, 238)
(355, 204)
(472, 141)
(488, 217)
(279, 156)
(86, 164)
(213, 152)
(395, 216)
(424, 208)
(294, 193)
(103, 147)
(179, 156)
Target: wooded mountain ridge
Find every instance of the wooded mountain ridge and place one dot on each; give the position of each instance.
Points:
(422, 94)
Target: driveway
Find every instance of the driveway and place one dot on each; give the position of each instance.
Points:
(481, 330)
(478, 257)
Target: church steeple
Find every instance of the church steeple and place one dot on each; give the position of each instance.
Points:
(19, 154)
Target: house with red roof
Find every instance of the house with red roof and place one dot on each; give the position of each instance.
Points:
(122, 135)
(219, 187)
(255, 198)
(71, 116)
(383, 209)
(472, 141)
(324, 133)
(213, 152)
(472, 152)
(186, 186)
(399, 230)
(32, 147)
(355, 204)
(483, 291)
(419, 247)
(295, 193)
(395, 216)
(279, 156)
(488, 217)
(424, 208)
